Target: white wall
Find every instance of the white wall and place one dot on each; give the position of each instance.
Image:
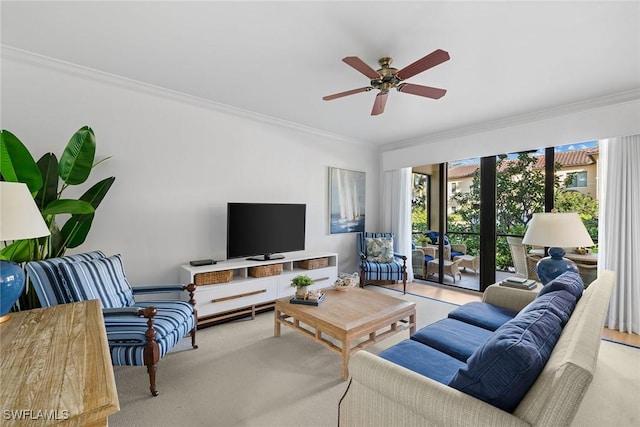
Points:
(177, 163)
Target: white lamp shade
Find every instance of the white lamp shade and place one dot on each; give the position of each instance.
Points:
(19, 215)
(557, 229)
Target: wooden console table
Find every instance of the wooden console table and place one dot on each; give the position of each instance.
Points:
(55, 367)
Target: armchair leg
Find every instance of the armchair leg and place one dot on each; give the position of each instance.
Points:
(192, 288)
(151, 353)
(404, 275)
(151, 370)
(193, 337)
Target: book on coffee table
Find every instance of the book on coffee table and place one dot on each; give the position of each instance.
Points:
(295, 300)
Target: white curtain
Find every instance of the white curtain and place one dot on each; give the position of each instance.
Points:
(396, 211)
(619, 228)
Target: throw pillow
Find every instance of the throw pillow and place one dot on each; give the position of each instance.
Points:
(561, 303)
(101, 279)
(503, 369)
(569, 281)
(379, 249)
(435, 238)
(46, 279)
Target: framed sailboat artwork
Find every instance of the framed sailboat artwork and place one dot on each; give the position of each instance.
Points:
(346, 201)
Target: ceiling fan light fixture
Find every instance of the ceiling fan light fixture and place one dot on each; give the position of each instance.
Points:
(387, 78)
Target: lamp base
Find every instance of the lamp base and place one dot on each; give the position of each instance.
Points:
(11, 286)
(550, 267)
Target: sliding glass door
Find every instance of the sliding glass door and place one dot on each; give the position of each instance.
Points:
(484, 205)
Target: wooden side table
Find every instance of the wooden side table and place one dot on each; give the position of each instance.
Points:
(55, 367)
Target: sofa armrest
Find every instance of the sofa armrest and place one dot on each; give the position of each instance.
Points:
(381, 393)
(515, 299)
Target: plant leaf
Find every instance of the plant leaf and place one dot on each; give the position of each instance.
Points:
(18, 251)
(17, 164)
(76, 161)
(76, 229)
(48, 165)
(68, 206)
(95, 194)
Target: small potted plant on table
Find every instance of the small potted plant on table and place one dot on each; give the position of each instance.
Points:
(301, 282)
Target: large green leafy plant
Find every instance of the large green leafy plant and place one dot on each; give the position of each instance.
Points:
(47, 179)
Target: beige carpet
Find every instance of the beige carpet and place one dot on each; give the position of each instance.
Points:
(243, 376)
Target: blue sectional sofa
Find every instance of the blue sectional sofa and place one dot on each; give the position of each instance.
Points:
(516, 358)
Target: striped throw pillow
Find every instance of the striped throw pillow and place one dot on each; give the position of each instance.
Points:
(103, 279)
(46, 280)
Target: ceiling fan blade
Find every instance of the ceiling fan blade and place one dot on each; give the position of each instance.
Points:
(380, 102)
(436, 57)
(426, 91)
(361, 66)
(347, 93)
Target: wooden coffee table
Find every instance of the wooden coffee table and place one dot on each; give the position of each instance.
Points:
(357, 319)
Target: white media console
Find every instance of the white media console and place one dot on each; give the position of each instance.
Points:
(244, 294)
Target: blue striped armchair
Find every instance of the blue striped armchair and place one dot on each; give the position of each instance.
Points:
(378, 261)
(139, 333)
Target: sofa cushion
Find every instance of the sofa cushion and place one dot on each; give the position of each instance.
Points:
(423, 359)
(172, 322)
(483, 315)
(505, 367)
(456, 253)
(103, 279)
(560, 303)
(453, 337)
(568, 281)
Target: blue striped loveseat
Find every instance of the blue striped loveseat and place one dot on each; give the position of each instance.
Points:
(139, 333)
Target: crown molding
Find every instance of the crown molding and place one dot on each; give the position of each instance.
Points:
(37, 60)
(506, 122)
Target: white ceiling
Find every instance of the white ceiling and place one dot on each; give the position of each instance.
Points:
(278, 59)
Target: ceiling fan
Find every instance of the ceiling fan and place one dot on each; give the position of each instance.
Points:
(387, 78)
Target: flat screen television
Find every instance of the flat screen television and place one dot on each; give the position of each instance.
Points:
(262, 231)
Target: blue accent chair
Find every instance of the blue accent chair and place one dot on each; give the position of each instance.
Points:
(371, 270)
(139, 333)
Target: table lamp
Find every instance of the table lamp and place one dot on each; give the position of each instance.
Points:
(19, 219)
(556, 230)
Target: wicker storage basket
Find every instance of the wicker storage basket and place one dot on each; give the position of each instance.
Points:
(213, 277)
(265, 270)
(310, 264)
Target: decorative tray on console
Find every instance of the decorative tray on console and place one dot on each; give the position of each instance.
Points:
(317, 302)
